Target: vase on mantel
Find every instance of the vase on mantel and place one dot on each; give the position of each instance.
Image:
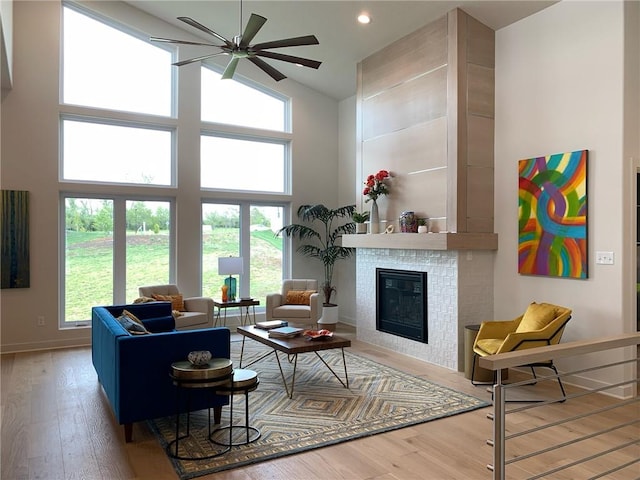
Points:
(374, 218)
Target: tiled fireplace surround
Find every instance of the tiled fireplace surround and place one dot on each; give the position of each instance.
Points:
(460, 293)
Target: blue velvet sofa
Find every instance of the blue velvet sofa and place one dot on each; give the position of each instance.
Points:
(134, 369)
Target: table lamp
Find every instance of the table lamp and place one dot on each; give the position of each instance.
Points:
(230, 266)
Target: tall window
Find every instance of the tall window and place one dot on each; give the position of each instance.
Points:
(234, 103)
(246, 230)
(88, 249)
(119, 162)
(104, 67)
(101, 152)
(102, 269)
(240, 164)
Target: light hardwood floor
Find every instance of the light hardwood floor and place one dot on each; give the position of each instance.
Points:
(56, 424)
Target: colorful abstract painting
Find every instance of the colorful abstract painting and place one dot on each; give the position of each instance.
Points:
(552, 216)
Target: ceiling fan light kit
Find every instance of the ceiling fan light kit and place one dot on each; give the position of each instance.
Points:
(240, 48)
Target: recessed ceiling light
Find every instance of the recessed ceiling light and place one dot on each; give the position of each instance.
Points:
(364, 18)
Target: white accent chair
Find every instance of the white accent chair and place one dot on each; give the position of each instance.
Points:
(308, 315)
(198, 311)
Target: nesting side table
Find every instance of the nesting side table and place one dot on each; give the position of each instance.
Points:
(217, 373)
(244, 381)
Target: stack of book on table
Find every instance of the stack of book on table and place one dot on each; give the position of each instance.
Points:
(271, 324)
(285, 332)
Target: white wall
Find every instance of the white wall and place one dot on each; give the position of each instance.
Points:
(6, 42)
(349, 194)
(29, 161)
(559, 87)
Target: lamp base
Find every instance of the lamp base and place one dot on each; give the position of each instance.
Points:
(231, 283)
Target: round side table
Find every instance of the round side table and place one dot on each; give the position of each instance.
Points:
(214, 374)
(244, 381)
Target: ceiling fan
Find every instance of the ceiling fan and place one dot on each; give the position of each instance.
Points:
(240, 47)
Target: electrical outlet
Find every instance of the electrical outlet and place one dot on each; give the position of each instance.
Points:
(604, 258)
(41, 321)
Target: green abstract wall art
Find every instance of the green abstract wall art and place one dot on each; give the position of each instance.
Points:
(552, 215)
(14, 239)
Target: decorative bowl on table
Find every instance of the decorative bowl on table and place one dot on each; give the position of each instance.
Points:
(199, 358)
(317, 334)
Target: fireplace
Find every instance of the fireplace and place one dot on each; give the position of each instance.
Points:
(401, 303)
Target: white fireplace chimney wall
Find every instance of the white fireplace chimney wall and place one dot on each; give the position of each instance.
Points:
(460, 292)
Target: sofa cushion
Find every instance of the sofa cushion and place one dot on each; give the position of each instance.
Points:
(298, 297)
(490, 345)
(160, 324)
(132, 324)
(177, 301)
(537, 316)
(144, 300)
(292, 311)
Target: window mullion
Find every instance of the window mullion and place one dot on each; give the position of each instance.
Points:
(245, 246)
(119, 251)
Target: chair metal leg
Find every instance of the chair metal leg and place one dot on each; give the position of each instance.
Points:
(564, 394)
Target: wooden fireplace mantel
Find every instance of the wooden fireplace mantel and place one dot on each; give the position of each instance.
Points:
(423, 241)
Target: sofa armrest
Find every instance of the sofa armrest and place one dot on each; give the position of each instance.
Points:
(143, 363)
(274, 300)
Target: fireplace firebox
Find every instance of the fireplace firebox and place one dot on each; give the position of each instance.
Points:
(401, 303)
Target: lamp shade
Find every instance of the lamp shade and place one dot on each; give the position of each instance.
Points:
(230, 266)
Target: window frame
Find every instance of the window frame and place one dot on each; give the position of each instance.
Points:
(247, 82)
(119, 247)
(187, 125)
(109, 121)
(244, 246)
(285, 142)
(127, 30)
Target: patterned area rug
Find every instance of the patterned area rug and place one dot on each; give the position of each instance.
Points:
(322, 412)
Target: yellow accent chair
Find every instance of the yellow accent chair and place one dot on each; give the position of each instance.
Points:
(541, 325)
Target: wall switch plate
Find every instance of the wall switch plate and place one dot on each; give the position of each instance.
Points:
(604, 258)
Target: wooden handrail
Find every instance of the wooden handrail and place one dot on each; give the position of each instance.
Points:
(570, 349)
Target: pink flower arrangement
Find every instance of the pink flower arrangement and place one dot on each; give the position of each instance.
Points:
(375, 185)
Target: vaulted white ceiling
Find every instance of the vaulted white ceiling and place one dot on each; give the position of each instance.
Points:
(343, 41)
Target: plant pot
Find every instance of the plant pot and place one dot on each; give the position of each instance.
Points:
(329, 318)
(423, 229)
(361, 228)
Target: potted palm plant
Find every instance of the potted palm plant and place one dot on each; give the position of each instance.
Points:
(319, 233)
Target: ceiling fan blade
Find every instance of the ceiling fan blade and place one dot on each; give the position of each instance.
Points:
(198, 59)
(202, 28)
(268, 69)
(231, 68)
(289, 58)
(287, 42)
(182, 42)
(254, 24)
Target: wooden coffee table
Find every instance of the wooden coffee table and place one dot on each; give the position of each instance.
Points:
(292, 347)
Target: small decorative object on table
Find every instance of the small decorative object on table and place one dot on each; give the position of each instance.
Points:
(270, 324)
(422, 225)
(360, 220)
(317, 334)
(408, 222)
(199, 358)
(285, 332)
